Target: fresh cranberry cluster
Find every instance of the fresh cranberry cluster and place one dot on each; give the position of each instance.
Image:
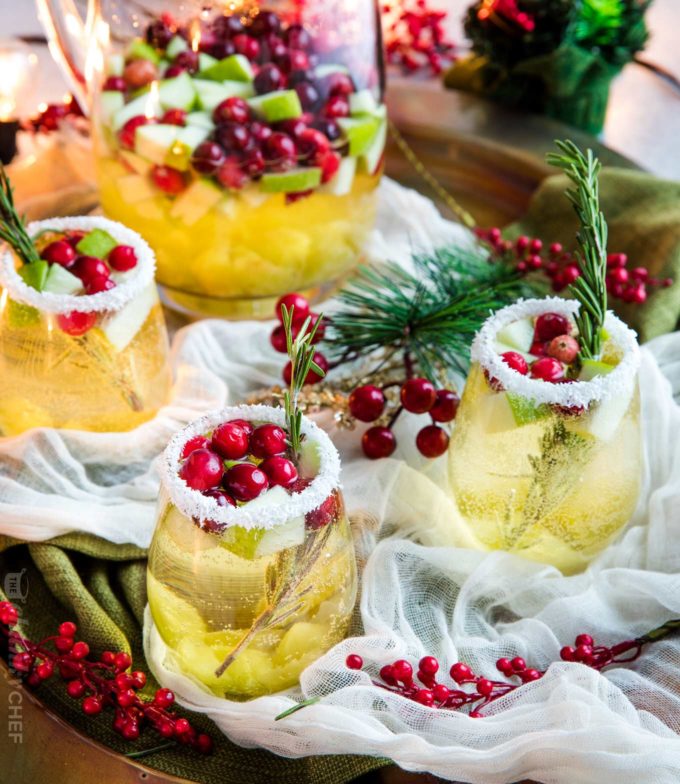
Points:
(624, 282)
(398, 677)
(105, 682)
(53, 115)
(415, 38)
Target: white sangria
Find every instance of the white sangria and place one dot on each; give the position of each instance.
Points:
(252, 573)
(545, 458)
(245, 146)
(83, 342)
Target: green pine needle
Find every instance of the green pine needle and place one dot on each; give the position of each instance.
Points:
(301, 354)
(12, 229)
(590, 288)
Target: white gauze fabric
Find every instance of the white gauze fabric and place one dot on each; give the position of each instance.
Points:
(574, 726)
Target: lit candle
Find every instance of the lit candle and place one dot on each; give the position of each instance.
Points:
(17, 63)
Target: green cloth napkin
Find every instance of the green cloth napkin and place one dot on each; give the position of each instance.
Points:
(643, 214)
(102, 587)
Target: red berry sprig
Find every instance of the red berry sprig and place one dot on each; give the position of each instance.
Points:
(529, 255)
(50, 117)
(106, 682)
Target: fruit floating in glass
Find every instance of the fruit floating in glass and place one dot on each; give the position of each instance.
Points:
(545, 458)
(83, 343)
(244, 143)
(252, 574)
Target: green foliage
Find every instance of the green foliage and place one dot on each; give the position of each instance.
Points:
(12, 229)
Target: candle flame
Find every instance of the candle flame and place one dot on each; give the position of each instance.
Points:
(195, 35)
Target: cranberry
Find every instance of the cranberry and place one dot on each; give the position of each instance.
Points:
(313, 146)
(227, 26)
(59, 252)
(484, 687)
(188, 60)
(425, 697)
(550, 325)
(221, 49)
(418, 395)
(378, 442)
(328, 128)
(441, 693)
(221, 498)
(232, 136)
(126, 135)
(266, 22)
(272, 49)
(312, 377)
(330, 163)
(538, 349)
(339, 84)
(293, 128)
(245, 481)
(297, 37)
(204, 743)
(308, 95)
(89, 267)
(163, 698)
(168, 180)
(231, 175)
(515, 361)
(139, 73)
(230, 441)
(292, 60)
(617, 260)
(80, 650)
(564, 347)
(76, 323)
(268, 440)
(429, 665)
(460, 672)
(323, 515)
(402, 671)
(570, 273)
(67, 629)
(232, 109)
(278, 339)
(445, 406)
(280, 151)
(123, 258)
(269, 78)
(260, 132)
(253, 163)
(244, 424)
(547, 369)
(99, 283)
(202, 470)
(295, 302)
(366, 403)
(432, 441)
(354, 662)
(159, 34)
(92, 706)
(336, 106)
(116, 83)
(247, 46)
(173, 70)
(280, 471)
(208, 157)
(174, 117)
(197, 442)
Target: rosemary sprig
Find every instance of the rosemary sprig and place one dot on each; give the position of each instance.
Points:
(301, 354)
(12, 228)
(590, 288)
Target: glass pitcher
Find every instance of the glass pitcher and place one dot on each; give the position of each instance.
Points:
(245, 143)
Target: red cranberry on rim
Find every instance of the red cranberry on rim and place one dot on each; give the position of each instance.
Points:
(123, 258)
(244, 481)
(268, 440)
(197, 442)
(99, 283)
(280, 471)
(366, 403)
(516, 362)
(202, 470)
(295, 302)
(221, 497)
(550, 325)
(418, 395)
(230, 441)
(76, 323)
(378, 442)
(445, 406)
(564, 347)
(232, 109)
(59, 252)
(89, 267)
(208, 157)
(432, 441)
(244, 424)
(547, 369)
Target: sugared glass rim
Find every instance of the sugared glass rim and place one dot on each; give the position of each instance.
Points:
(194, 504)
(134, 282)
(576, 393)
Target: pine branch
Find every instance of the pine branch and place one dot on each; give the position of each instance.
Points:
(590, 288)
(12, 229)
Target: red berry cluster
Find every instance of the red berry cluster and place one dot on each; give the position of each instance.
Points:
(508, 11)
(432, 693)
(98, 684)
(299, 306)
(53, 115)
(415, 38)
(624, 282)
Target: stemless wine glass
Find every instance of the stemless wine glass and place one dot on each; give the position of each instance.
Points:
(243, 141)
(246, 597)
(89, 362)
(548, 471)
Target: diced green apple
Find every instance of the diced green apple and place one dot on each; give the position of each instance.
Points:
(206, 62)
(293, 181)
(526, 411)
(177, 93)
(188, 139)
(200, 120)
(115, 64)
(211, 94)
(235, 68)
(146, 104)
(198, 199)
(61, 281)
(111, 102)
(97, 243)
(519, 335)
(361, 132)
(592, 367)
(373, 155)
(153, 142)
(277, 106)
(121, 327)
(135, 163)
(363, 102)
(134, 188)
(176, 46)
(34, 274)
(342, 182)
(140, 50)
(604, 418)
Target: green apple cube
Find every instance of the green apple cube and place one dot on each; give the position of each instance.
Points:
(61, 281)
(146, 104)
(526, 411)
(235, 68)
(134, 188)
(604, 418)
(593, 367)
(140, 50)
(153, 142)
(342, 182)
(98, 243)
(121, 327)
(373, 155)
(361, 132)
(278, 105)
(363, 102)
(111, 102)
(519, 335)
(135, 163)
(206, 62)
(35, 274)
(211, 94)
(176, 46)
(177, 93)
(188, 139)
(115, 64)
(327, 69)
(197, 200)
(200, 120)
(293, 181)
